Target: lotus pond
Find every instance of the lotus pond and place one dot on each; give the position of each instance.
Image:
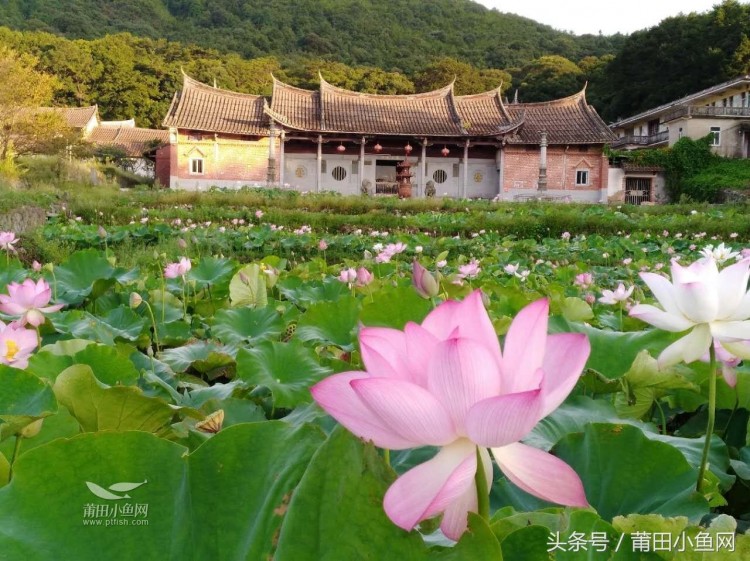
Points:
(254, 387)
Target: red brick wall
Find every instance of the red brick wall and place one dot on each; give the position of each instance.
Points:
(521, 168)
(224, 159)
(163, 162)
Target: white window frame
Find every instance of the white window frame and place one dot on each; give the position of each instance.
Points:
(716, 133)
(586, 176)
(193, 162)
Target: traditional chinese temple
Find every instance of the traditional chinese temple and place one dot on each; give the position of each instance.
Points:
(332, 139)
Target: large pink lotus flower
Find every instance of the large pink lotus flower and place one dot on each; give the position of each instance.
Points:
(16, 344)
(29, 301)
(446, 383)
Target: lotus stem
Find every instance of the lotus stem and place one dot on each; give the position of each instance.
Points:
(16, 449)
(483, 499)
(711, 415)
(153, 323)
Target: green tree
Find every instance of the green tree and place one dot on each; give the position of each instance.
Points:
(23, 89)
(468, 80)
(549, 77)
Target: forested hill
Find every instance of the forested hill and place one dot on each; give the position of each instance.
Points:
(392, 35)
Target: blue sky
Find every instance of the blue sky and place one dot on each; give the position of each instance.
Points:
(592, 16)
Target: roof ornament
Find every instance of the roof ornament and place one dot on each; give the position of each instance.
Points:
(515, 97)
(215, 86)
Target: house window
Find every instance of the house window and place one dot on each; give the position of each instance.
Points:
(715, 136)
(338, 173)
(439, 176)
(195, 137)
(582, 177)
(196, 166)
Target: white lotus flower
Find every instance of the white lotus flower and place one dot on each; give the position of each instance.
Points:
(721, 252)
(711, 304)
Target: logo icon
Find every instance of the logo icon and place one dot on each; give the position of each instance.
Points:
(108, 495)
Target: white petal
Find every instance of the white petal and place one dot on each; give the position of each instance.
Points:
(663, 320)
(732, 287)
(689, 348)
(730, 330)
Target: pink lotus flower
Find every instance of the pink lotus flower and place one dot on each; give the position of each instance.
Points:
(322, 245)
(179, 269)
(584, 280)
(16, 344)
(348, 275)
(364, 277)
(446, 383)
(28, 301)
(616, 296)
(470, 270)
(7, 241)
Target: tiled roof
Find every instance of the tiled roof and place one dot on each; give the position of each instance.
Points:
(437, 113)
(485, 114)
(203, 108)
(75, 117)
(566, 121)
(294, 107)
(133, 140)
(432, 113)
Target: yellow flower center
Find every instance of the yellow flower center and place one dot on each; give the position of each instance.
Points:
(11, 349)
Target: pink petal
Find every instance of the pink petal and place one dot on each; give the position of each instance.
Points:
(336, 396)
(504, 419)
(523, 351)
(729, 374)
(429, 488)
(407, 410)
(384, 352)
(420, 348)
(456, 515)
(563, 365)
(661, 319)
(10, 307)
(689, 348)
(541, 474)
(471, 319)
(462, 372)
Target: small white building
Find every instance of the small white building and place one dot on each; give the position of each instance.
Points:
(722, 111)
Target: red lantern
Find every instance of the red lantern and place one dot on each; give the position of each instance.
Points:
(378, 148)
(445, 151)
(408, 149)
(341, 148)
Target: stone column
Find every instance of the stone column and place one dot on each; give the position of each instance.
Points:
(465, 179)
(319, 177)
(499, 158)
(361, 164)
(422, 169)
(271, 174)
(282, 140)
(543, 163)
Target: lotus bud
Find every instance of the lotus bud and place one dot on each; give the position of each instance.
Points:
(182, 244)
(36, 266)
(102, 232)
(368, 254)
(31, 430)
(135, 300)
(48, 267)
(485, 299)
(424, 283)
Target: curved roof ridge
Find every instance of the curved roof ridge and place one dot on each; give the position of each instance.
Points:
(277, 82)
(189, 82)
(440, 92)
(455, 113)
(563, 101)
